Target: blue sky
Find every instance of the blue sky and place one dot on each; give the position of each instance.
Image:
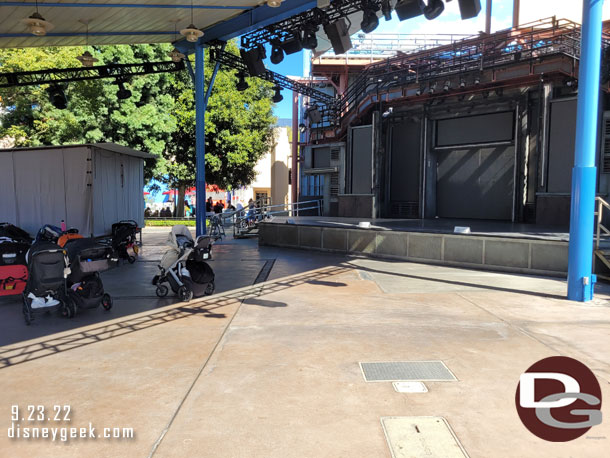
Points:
(447, 23)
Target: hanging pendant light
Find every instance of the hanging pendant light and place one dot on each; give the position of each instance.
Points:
(37, 25)
(174, 54)
(86, 59)
(191, 33)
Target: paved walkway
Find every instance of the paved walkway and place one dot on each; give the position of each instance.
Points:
(271, 369)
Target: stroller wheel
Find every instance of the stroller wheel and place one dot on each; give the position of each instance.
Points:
(107, 301)
(185, 294)
(161, 291)
(131, 259)
(210, 288)
(68, 308)
(27, 315)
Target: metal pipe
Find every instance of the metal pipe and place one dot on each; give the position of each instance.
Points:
(213, 79)
(295, 151)
(125, 5)
(516, 7)
(488, 17)
(200, 138)
(580, 260)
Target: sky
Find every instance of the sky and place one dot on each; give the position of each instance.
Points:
(447, 23)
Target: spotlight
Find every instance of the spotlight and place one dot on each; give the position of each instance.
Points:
(122, 93)
(433, 9)
(241, 85)
(386, 9)
(57, 97)
(477, 80)
(469, 8)
(462, 84)
(293, 44)
(432, 88)
(254, 60)
(447, 86)
(408, 9)
(302, 127)
(370, 21)
(277, 53)
(571, 82)
(314, 115)
(37, 25)
(277, 97)
(388, 112)
(338, 35)
(310, 40)
(418, 92)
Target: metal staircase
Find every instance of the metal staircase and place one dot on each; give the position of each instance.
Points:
(602, 252)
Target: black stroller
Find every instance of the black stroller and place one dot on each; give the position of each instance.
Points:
(87, 259)
(124, 240)
(46, 288)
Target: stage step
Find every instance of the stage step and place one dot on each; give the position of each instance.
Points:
(509, 254)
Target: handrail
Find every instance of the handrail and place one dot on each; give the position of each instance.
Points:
(601, 203)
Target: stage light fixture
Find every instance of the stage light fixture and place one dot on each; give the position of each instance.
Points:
(477, 81)
(432, 9)
(370, 21)
(254, 60)
(338, 35)
(432, 88)
(408, 9)
(277, 97)
(462, 84)
(277, 53)
(469, 8)
(302, 127)
(57, 97)
(310, 40)
(241, 85)
(418, 92)
(314, 115)
(447, 86)
(293, 44)
(386, 9)
(123, 93)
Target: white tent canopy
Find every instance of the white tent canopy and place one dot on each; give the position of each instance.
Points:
(90, 186)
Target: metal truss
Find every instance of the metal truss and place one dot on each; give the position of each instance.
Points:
(67, 75)
(311, 19)
(232, 61)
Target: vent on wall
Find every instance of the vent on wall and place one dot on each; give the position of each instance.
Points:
(404, 210)
(606, 143)
(335, 154)
(334, 184)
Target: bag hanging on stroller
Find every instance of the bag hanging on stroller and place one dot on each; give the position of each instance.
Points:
(46, 287)
(13, 268)
(15, 233)
(87, 259)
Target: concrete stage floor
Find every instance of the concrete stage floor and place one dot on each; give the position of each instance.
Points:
(271, 369)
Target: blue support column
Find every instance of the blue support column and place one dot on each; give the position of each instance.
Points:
(580, 264)
(200, 137)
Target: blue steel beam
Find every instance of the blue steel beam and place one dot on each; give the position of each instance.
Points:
(84, 34)
(250, 20)
(200, 139)
(124, 5)
(213, 79)
(581, 280)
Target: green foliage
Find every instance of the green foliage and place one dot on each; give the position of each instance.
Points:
(158, 118)
(170, 222)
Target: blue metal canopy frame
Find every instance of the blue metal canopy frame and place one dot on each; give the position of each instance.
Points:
(581, 280)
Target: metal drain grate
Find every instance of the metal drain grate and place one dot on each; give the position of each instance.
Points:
(400, 371)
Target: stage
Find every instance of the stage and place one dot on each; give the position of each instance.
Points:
(490, 245)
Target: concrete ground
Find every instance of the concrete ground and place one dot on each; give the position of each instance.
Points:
(269, 366)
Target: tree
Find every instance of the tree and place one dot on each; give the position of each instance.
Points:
(239, 131)
(94, 112)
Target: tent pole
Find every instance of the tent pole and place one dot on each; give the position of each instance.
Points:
(581, 280)
(200, 138)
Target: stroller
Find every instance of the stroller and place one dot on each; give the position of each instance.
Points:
(50, 233)
(183, 266)
(14, 244)
(87, 259)
(124, 240)
(46, 288)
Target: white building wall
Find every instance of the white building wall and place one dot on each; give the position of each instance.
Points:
(562, 9)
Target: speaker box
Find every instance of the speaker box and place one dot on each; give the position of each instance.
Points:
(408, 9)
(469, 8)
(254, 60)
(338, 34)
